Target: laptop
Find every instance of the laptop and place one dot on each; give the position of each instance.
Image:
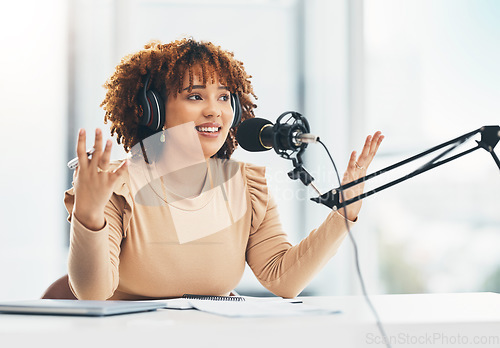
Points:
(78, 307)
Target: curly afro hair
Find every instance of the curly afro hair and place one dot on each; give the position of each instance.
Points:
(168, 64)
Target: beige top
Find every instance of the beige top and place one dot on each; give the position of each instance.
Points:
(158, 244)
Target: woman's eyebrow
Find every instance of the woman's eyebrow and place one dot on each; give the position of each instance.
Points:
(203, 87)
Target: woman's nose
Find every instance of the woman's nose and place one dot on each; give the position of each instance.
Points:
(212, 109)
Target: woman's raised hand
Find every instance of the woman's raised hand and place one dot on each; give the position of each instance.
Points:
(93, 182)
(356, 169)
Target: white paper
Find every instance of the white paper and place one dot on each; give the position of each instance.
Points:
(258, 308)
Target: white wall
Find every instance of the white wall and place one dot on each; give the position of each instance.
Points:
(33, 89)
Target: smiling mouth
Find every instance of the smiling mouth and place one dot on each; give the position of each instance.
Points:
(208, 130)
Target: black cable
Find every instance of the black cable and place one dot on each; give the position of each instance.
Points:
(356, 257)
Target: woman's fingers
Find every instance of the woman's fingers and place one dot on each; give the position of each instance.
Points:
(75, 173)
(100, 158)
(351, 166)
(121, 168)
(363, 157)
(96, 156)
(377, 140)
(370, 148)
(81, 150)
(115, 174)
(104, 160)
(356, 169)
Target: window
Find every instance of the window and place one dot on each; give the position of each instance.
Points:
(432, 74)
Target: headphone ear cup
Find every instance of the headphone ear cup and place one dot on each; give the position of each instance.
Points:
(161, 110)
(153, 108)
(236, 105)
(145, 120)
(157, 108)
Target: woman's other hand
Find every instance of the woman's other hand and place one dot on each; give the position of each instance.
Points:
(356, 169)
(93, 182)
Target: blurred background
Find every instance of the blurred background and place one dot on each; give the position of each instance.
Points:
(421, 71)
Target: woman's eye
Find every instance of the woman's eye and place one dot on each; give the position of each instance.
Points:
(194, 97)
(225, 97)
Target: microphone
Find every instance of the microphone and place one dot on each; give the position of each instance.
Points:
(258, 134)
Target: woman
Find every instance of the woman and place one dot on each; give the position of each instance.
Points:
(180, 216)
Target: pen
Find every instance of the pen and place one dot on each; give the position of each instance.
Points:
(74, 162)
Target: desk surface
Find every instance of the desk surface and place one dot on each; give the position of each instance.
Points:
(423, 320)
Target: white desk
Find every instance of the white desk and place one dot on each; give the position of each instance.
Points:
(429, 320)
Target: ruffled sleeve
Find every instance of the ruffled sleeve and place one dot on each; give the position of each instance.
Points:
(283, 269)
(257, 189)
(94, 256)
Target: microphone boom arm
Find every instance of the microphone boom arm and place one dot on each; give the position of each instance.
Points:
(490, 136)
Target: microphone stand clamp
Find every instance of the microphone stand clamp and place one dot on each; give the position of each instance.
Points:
(286, 145)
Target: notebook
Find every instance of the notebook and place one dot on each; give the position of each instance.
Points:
(245, 306)
(183, 302)
(78, 307)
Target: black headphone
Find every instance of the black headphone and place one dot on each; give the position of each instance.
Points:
(153, 108)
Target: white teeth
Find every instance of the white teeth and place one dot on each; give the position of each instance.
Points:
(208, 129)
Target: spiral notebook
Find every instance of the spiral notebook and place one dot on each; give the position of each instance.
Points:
(213, 298)
(183, 302)
(245, 306)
